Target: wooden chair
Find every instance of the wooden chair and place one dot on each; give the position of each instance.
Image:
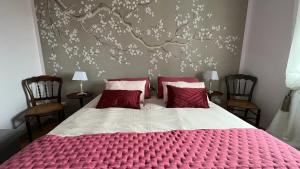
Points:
(43, 95)
(239, 95)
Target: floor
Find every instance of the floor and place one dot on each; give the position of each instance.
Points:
(47, 125)
(36, 133)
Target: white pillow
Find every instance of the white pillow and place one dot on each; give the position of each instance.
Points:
(127, 85)
(180, 84)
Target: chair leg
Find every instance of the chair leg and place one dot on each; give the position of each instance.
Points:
(39, 122)
(59, 116)
(257, 118)
(246, 113)
(28, 129)
(63, 115)
(228, 108)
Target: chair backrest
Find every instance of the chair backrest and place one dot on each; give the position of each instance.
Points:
(240, 86)
(42, 88)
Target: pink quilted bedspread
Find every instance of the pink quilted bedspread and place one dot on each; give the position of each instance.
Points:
(232, 148)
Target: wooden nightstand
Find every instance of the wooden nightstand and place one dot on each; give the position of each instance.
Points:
(218, 100)
(79, 97)
(214, 93)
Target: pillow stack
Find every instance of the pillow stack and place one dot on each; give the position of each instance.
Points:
(125, 93)
(182, 92)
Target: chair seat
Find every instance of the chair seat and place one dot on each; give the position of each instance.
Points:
(241, 104)
(44, 109)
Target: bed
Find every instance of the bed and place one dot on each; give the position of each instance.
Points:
(155, 137)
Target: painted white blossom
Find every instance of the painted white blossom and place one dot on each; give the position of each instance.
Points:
(73, 37)
(149, 11)
(134, 50)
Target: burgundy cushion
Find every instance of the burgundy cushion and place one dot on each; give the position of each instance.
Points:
(187, 97)
(147, 85)
(160, 79)
(120, 98)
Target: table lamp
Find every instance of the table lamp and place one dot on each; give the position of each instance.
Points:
(210, 76)
(80, 75)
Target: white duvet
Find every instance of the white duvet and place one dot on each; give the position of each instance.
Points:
(153, 116)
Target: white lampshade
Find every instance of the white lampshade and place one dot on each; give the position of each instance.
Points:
(80, 75)
(211, 75)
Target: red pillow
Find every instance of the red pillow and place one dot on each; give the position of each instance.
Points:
(186, 97)
(120, 98)
(147, 85)
(160, 79)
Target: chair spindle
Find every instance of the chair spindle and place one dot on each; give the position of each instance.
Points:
(46, 91)
(39, 90)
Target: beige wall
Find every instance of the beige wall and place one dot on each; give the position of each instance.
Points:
(20, 57)
(265, 51)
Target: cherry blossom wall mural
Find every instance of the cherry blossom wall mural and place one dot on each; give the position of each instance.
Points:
(113, 38)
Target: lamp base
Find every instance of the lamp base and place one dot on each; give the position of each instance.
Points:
(81, 93)
(210, 91)
(81, 90)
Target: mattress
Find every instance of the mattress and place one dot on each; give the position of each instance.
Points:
(155, 137)
(152, 117)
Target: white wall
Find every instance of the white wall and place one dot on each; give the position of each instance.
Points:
(267, 42)
(19, 56)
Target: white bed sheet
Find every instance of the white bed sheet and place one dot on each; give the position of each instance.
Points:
(153, 116)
